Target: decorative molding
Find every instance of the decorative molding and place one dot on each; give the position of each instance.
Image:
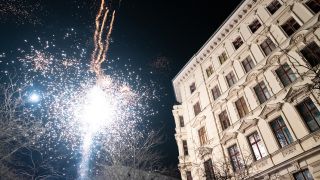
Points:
(198, 121)
(316, 136)
(289, 150)
(245, 124)
(227, 136)
(269, 109)
(295, 92)
(203, 151)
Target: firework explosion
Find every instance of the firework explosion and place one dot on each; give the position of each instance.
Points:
(81, 110)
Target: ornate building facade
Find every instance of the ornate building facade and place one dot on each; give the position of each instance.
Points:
(249, 105)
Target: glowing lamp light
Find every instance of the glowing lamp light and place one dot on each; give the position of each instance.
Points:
(34, 98)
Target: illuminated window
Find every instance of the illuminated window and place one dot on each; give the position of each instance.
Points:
(257, 146)
(235, 158)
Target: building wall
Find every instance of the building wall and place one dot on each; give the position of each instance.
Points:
(303, 152)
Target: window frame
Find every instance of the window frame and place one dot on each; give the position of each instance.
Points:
(303, 172)
(209, 71)
(237, 42)
(254, 25)
(248, 61)
(274, 4)
(288, 27)
(196, 108)
(256, 143)
(288, 137)
(315, 53)
(192, 87)
(181, 121)
(202, 133)
(223, 57)
(312, 10)
(286, 74)
(188, 175)
(263, 91)
(242, 107)
(185, 148)
(216, 93)
(224, 120)
(208, 169)
(267, 46)
(311, 113)
(232, 79)
(237, 156)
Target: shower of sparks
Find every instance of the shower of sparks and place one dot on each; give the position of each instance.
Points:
(101, 46)
(81, 112)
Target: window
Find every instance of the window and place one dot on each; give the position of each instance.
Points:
(215, 92)
(285, 74)
(189, 176)
(202, 136)
(185, 148)
(192, 87)
(223, 57)
(181, 121)
(311, 53)
(310, 114)
(248, 64)
(237, 42)
(281, 132)
(262, 92)
(231, 79)
(209, 71)
(257, 146)
(208, 169)
(196, 108)
(255, 25)
(290, 26)
(314, 5)
(224, 120)
(303, 175)
(242, 107)
(235, 158)
(267, 46)
(273, 6)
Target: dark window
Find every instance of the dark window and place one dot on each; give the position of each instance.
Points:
(215, 92)
(231, 79)
(267, 46)
(255, 25)
(208, 169)
(202, 136)
(257, 146)
(281, 132)
(314, 5)
(189, 176)
(192, 87)
(181, 121)
(237, 42)
(285, 74)
(273, 6)
(223, 57)
(242, 107)
(235, 158)
(209, 71)
(248, 64)
(310, 114)
(224, 120)
(196, 108)
(262, 92)
(303, 175)
(290, 26)
(312, 54)
(185, 148)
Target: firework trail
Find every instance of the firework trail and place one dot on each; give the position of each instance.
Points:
(102, 23)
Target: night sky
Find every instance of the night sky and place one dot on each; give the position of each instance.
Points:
(157, 37)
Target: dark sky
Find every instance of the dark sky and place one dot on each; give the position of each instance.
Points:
(157, 35)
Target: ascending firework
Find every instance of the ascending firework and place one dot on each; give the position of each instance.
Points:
(101, 46)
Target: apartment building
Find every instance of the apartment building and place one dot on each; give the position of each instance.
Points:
(248, 100)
